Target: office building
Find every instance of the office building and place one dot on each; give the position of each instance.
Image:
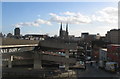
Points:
(113, 36)
(17, 31)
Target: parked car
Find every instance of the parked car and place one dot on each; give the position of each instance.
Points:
(111, 66)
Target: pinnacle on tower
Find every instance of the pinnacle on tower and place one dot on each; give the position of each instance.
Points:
(61, 26)
(67, 27)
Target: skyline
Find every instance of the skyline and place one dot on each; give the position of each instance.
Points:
(45, 17)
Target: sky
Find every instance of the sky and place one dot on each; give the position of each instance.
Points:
(45, 17)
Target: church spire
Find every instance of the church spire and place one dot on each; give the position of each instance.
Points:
(61, 27)
(67, 27)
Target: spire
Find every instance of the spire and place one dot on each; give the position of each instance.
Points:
(61, 27)
(67, 27)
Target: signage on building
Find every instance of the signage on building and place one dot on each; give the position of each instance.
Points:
(9, 50)
(15, 50)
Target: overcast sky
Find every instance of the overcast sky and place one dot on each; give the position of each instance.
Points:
(45, 17)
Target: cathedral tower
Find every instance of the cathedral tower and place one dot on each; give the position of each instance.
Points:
(67, 30)
(63, 33)
(60, 33)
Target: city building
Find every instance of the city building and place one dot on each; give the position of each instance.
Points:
(9, 35)
(63, 33)
(98, 36)
(1, 35)
(102, 38)
(103, 54)
(110, 54)
(84, 35)
(113, 36)
(114, 53)
(72, 37)
(35, 37)
(17, 31)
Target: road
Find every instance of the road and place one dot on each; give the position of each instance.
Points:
(94, 71)
(91, 72)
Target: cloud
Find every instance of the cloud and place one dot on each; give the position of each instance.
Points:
(108, 14)
(70, 17)
(38, 22)
(69, 13)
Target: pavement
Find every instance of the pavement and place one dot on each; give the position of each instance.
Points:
(91, 72)
(94, 71)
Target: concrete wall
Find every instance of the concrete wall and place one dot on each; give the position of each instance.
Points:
(58, 59)
(12, 41)
(29, 59)
(57, 45)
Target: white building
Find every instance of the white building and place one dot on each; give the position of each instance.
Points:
(103, 54)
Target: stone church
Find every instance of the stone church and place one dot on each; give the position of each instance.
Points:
(63, 33)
